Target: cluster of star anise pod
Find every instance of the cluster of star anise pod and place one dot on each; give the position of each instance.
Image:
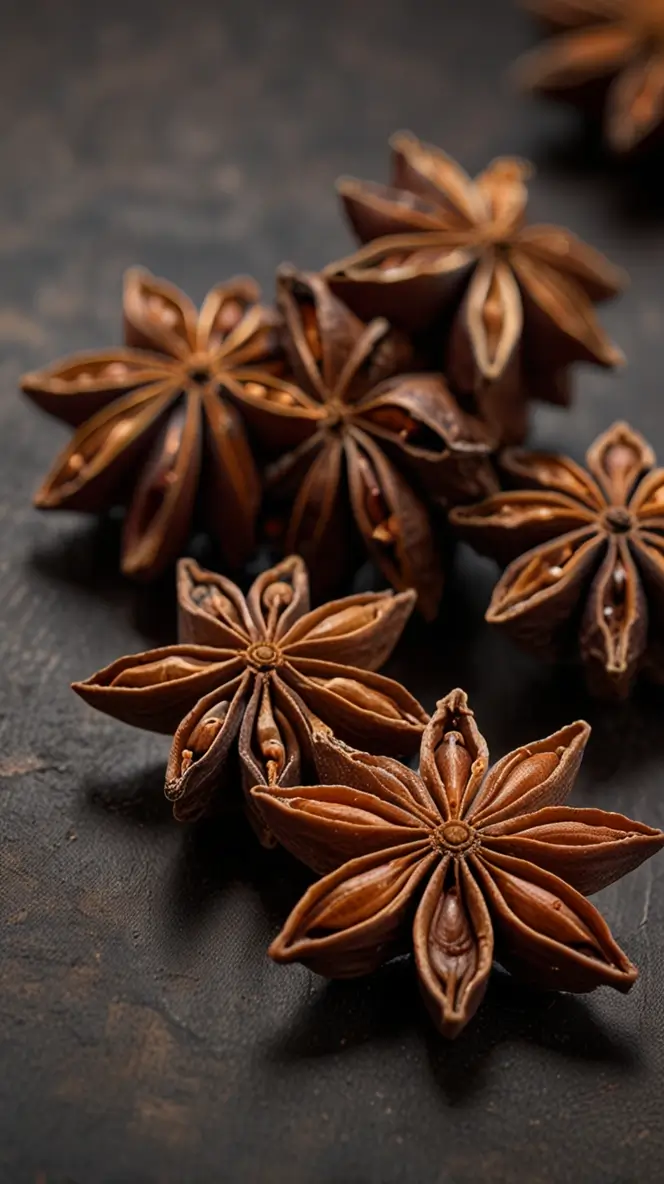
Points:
(359, 409)
(476, 862)
(374, 409)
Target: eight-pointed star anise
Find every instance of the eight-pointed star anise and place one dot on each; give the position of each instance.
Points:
(609, 51)
(587, 553)
(479, 865)
(250, 674)
(153, 427)
(515, 302)
(363, 445)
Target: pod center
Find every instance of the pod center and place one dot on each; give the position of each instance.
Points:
(454, 837)
(263, 656)
(618, 520)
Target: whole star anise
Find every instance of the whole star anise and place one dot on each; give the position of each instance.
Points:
(603, 51)
(479, 865)
(364, 446)
(249, 674)
(588, 557)
(153, 427)
(513, 303)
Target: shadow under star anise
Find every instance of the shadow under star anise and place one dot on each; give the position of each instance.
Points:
(219, 852)
(633, 184)
(213, 854)
(385, 1006)
(85, 559)
(135, 800)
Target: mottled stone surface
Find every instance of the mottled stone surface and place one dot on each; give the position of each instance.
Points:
(144, 1036)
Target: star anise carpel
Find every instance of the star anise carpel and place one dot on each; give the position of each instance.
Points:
(250, 674)
(154, 430)
(509, 305)
(361, 445)
(603, 53)
(460, 862)
(586, 557)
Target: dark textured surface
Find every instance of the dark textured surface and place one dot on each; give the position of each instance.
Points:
(144, 1036)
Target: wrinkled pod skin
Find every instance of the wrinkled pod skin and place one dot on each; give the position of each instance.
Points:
(364, 450)
(508, 306)
(250, 675)
(475, 863)
(585, 558)
(156, 429)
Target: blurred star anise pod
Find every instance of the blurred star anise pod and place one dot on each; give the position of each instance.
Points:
(605, 53)
(477, 865)
(587, 552)
(511, 305)
(249, 674)
(364, 446)
(154, 429)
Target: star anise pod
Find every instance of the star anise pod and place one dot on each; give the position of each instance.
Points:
(477, 865)
(250, 673)
(153, 427)
(512, 304)
(364, 446)
(606, 53)
(587, 552)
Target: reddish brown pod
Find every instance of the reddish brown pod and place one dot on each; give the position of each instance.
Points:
(462, 863)
(365, 445)
(250, 674)
(510, 306)
(155, 428)
(607, 55)
(585, 554)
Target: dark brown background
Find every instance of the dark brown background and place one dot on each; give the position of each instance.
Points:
(144, 1036)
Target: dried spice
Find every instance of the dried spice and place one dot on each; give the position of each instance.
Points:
(605, 54)
(153, 427)
(514, 303)
(491, 865)
(250, 674)
(364, 446)
(587, 557)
